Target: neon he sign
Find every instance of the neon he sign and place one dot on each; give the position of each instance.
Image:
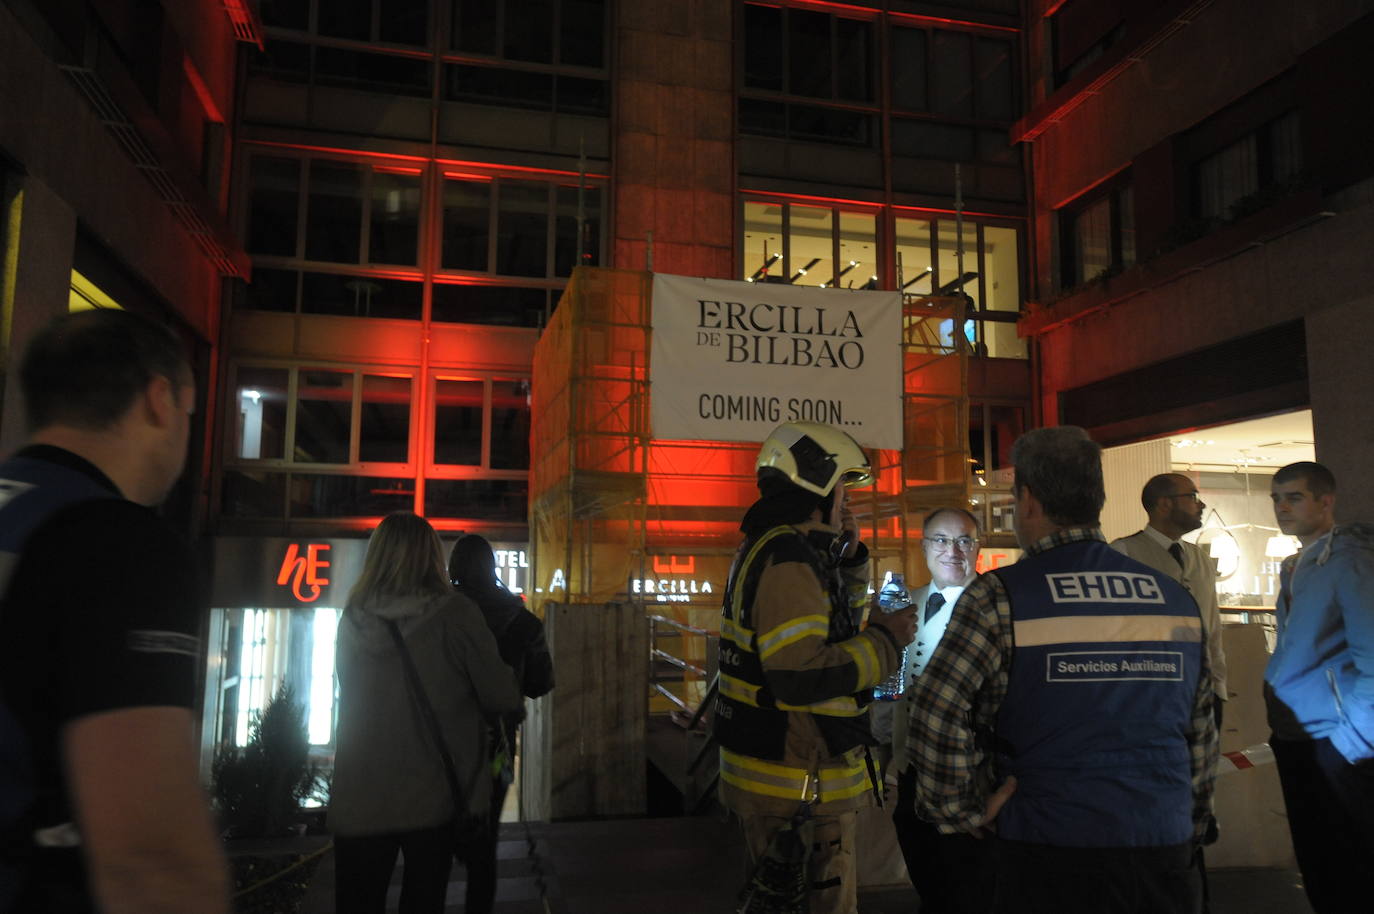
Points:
(304, 569)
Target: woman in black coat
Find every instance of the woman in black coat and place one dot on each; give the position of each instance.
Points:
(520, 641)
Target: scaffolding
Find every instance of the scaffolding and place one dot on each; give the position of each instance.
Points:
(616, 515)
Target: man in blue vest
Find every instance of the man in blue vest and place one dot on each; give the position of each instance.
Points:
(1068, 709)
(100, 802)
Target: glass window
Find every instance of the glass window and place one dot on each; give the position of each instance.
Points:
(916, 268)
(361, 296)
(269, 290)
(384, 433)
(334, 495)
(854, 60)
(260, 430)
(1001, 263)
(762, 117)
(1285, 147)
(582, 96)
(253, 493)
(458, 406)
(286, 14)
(1125, 225)
(345, 19)
(763, 248)
(830, 125)
(811, 241)
(1092, 240)
(501, 305)
(858, 250)
(763, 41)
(993, 66)
(334, 213)
(952, 66)
(286, 61)
(529, 31)
(909, 69)
(404, 21)
(522, 231)
(949, 279)
(475, 26)
(395, 218)
(924, 140)
(582, 38)
(809, 54)
(565, 245)
(390, 74)
(492, 86)
(324, 416)
(495, 500)
(273, 202)
(510, 425)
(467, 212)
(1226, 177)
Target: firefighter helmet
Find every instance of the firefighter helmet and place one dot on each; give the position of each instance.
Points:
(815, 456)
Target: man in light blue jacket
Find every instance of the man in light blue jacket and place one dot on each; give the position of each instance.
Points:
(1319, 688)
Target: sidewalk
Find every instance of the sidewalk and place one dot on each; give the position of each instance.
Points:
(691, 866)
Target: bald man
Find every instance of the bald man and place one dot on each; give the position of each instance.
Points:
(1171, 501)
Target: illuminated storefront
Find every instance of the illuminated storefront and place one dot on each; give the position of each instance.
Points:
(276, 604)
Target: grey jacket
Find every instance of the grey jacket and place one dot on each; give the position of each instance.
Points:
(1199, 579)
(388, 774)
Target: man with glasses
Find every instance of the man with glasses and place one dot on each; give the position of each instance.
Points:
(1172, 504)
(947, 870)
(1067, 710)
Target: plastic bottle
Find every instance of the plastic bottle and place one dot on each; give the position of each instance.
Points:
(893, 597)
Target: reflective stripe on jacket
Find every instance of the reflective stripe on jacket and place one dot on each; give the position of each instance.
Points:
(1108, 654)
(818, 665)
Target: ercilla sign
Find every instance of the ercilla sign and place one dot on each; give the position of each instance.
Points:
(304, 570)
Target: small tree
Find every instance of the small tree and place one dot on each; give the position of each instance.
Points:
(258, 788)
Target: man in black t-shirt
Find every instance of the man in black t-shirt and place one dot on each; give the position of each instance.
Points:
(98, 602)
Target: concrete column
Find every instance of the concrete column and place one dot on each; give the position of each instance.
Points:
(674, 156)
(38, 246)
(1341, 384)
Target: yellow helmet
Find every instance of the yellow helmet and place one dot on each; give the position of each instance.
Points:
(814, 457)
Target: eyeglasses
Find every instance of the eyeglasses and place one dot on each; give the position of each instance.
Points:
(1193, 495)
(943, 543)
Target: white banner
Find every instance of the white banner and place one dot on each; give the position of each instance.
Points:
(733, 360)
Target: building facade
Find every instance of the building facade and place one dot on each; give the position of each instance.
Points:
(1201, 210)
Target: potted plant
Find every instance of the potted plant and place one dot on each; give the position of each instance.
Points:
(258, 790)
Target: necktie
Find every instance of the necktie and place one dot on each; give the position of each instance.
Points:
(933, 605)
(1176, 551)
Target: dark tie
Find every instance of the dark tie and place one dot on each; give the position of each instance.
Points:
(933, 605)
(1176, 550)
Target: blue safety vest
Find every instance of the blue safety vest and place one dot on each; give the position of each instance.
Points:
(1108, 655)
(31, 491)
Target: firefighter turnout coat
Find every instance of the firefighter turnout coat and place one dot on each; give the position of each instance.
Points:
(796, 674)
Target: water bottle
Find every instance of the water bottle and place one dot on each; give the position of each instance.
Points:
(893, 598)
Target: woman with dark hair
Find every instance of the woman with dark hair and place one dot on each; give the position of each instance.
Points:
(391, 790)
(520, 639)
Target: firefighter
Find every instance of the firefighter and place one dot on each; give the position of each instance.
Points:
(796, 667)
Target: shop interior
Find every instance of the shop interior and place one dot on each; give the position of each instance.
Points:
(1232, 466)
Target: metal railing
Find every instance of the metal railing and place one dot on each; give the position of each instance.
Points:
(692, 677)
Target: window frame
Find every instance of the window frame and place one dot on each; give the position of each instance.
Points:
(354, 466)
(885, 240)
(1114, 191)
(428, 270)
(483, 470)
